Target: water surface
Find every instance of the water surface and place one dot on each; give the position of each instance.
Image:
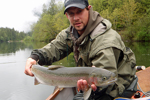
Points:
(15, 85)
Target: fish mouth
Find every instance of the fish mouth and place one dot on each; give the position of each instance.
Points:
(112, 81)
(109, 82)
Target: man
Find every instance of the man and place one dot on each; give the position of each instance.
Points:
(94, 43)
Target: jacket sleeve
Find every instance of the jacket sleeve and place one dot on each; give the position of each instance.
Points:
(54, 51)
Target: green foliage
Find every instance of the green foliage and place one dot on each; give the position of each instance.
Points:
(43, 28)
(7, 34)
(28, 39)
(51, 23)
(142, 27)
(98, 5)
(67, 61)
(129, 17)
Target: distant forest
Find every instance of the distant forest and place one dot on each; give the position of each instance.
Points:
(9, 35)
(130, 18)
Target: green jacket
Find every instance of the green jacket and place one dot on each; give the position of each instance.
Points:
(102, 47)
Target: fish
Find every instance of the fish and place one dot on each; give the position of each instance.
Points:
(66, 77)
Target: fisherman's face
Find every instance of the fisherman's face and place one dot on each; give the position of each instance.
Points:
(78, 18)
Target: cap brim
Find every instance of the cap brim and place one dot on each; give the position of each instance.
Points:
(78, 5)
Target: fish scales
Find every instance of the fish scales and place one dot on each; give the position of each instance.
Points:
(68, 76)
(61, 75)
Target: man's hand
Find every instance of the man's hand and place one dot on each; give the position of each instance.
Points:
(84, 86)
(28, 66)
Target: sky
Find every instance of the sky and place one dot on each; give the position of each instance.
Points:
(19, 14)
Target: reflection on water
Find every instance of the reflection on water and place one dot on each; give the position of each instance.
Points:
(10, 48)
(6, 48)
(15, 85)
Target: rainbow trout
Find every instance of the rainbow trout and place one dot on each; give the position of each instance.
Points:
(68, 76)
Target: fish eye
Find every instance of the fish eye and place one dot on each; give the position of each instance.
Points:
(104, 78)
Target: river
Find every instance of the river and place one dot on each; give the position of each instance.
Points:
(15, 85)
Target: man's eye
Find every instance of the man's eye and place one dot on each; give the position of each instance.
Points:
(79, 11)
(70, 14)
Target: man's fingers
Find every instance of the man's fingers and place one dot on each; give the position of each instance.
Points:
(28, 71)
(79, 84)
(85, 85)
(93, 86)
(82, 85)
(28, 66)
(93, 66)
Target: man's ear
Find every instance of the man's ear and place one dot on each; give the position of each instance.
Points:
(89, 6)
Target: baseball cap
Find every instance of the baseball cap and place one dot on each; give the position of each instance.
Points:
(75, 3)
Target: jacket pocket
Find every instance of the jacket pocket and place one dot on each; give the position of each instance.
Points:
(127, 65)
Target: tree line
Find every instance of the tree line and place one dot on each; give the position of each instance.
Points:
(9, 35)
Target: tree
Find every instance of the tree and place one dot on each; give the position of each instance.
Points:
(52, 10)
(50, 24)
(129, 12)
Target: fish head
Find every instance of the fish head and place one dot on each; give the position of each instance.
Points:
(102, 77)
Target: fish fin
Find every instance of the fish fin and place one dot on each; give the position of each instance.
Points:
(36, 82)
(87, 93)
(53, 67)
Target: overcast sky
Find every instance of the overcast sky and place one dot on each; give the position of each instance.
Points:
(19, 14)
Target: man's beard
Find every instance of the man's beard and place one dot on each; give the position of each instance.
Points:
(81, 29)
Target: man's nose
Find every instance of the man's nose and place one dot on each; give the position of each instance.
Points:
(76, 17)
